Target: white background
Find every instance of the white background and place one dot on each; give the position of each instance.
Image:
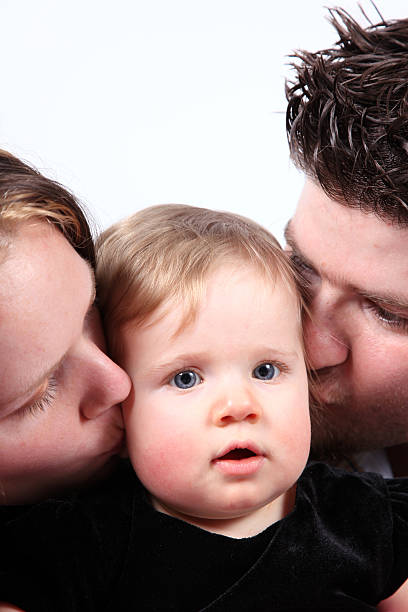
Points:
(137, 102)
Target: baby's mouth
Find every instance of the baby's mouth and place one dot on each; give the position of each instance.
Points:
(237, 454)
(239, 460)
(239, 451)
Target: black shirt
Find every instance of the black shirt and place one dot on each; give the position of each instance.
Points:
(343, 547)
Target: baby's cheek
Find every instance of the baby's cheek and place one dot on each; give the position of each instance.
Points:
(163, 459)
(292, 434)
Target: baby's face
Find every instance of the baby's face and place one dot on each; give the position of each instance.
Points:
(218, 423)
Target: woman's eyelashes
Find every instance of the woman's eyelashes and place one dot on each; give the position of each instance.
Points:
(41, 403)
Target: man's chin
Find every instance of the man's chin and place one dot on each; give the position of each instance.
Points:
(336, 441)
(325, 443)
(336, 445)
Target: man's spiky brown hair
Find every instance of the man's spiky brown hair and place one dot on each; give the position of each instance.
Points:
(347, 116)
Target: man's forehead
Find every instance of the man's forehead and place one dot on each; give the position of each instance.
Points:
(351, 248)
(337, 224)
(313, 198)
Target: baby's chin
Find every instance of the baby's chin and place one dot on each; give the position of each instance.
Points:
(236, 525)
(206, 519)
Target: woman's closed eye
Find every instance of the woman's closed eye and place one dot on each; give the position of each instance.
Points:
(42, 402)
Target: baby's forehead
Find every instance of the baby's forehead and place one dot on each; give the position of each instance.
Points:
(189, 300)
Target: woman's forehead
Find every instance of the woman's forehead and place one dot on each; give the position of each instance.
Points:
(44, 296)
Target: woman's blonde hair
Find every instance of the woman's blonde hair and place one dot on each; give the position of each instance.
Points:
(166, 252)
(27, 195)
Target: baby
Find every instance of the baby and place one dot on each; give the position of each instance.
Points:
(202, 309)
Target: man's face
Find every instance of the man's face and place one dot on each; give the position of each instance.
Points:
(218, 424)
(356, 266)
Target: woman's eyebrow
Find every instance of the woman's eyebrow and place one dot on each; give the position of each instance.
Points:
(41, 379)
(93, 285)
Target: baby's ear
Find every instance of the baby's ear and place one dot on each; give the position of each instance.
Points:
(5, 607)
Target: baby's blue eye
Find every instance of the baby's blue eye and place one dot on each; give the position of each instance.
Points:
(266, 371)
(186, 379)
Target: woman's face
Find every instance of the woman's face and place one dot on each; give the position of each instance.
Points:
(60, 422)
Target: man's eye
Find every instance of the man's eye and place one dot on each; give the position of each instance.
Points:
(186, 379)
(389, 319)
(266, 371)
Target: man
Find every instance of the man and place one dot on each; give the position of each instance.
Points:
(347, 124)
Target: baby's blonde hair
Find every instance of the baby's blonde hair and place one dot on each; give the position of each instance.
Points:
(166, 252)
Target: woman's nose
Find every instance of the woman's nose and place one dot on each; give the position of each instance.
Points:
(105, 384)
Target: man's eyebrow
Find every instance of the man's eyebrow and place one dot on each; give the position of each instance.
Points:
(289, 238)
(287, 232)
(387, 299)
(290, 241)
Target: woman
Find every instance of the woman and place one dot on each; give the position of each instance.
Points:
(60, 420)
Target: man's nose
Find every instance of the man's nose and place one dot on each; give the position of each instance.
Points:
(236, 406)
(324, 334)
